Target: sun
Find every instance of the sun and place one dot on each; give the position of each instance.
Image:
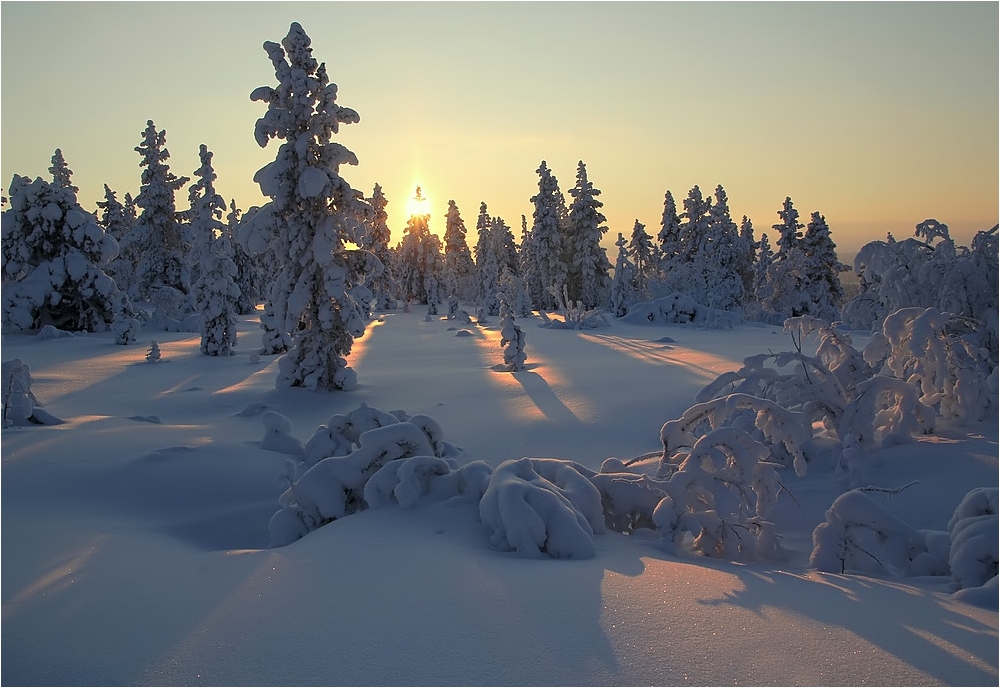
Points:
(418, 205)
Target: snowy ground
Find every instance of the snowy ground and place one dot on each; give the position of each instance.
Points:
(134, 535)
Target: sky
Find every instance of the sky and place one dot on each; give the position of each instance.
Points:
(877, 115)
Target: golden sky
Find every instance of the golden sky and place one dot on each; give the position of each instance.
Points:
(877, 115)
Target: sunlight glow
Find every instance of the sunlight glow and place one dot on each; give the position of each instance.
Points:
(419, 204)
(700, 362)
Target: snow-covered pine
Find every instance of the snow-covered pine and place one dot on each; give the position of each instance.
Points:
(153, 352)
(588, 276)
(419, 260)
(783, 294)
(376, 241)
(313, 306)
(826, 294)
(53, 253)
(156, 243)
(487, 263)
(459, 275)
(718, 257)
(641, 251)
(746, 259)
(517, 294)
(249, 278)
(204, 214)
(547, 239)
(117, 220)
(761, 268)
(216, 296)
(624, 285)
(20, 407)
(511, 337)
(528, 264)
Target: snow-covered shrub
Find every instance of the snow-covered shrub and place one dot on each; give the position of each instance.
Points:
(533, 514)
(783, 431)
(404, 482)
(278, 434)
(973, 529)
(153, 352)
(936, 353)
(334, 487)
(860, 536)
(575, 317)
(675, 308)
(20, 407)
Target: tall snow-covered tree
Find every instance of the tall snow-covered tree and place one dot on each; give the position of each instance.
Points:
(528, 262)
(623, 287)
(317, 304)
(746, 251)
(547, 239)
(822, 269)
(719, 257)
(156, 242)
(376, 240)
(419, 261)
(117, 219)
(588, 277)
(459, 267)
(249, 277)
(761, 268)
(204, 216)
(216, 294)
(489, 267)
(504, 247)
(783, 295)
(669, 236)
(640, 250)
(53, 251)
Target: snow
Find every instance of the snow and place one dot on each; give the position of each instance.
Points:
(111, 521)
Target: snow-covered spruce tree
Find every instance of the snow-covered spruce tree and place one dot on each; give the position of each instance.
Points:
(156, 242)
(318, 302)
(216, 295)
(822, 269)
(528, 263)
(761, 267)
(204, 214)
(419, 260)
(53, 251)
(588, 278)
(511, 337)
(117, 219)
(669, 240)
(623, 286)
(376, 241)
(640, 250)
(459, 267)
(783, 295)
(719, 257)
(517, 294)
(547, 239)
(249, 278)
(488, 263)
(685, 247)
(746, 259)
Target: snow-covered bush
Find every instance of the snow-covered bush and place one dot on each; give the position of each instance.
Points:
(536, 507)
(973, 529)
(675, 308)
(575, 317)
(20, 407)
(860, 536)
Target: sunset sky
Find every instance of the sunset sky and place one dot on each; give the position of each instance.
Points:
(876, 115)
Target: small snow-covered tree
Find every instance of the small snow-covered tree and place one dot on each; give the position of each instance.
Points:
(317, 305)
(53, 253)
(204, 216)
(459, 268)
(156, 242)
(588, 277)
(511, 337)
